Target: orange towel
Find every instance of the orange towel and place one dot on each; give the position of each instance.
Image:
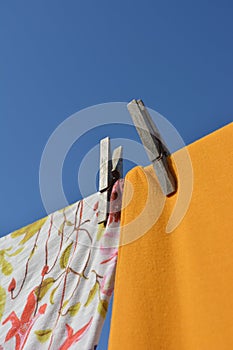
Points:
(174, 291)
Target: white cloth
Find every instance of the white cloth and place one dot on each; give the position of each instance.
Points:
(56, 278)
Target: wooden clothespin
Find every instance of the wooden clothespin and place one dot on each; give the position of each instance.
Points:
(111, 169)
(155, 147)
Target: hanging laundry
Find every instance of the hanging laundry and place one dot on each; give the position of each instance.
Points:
(57, 276)
(173, 291)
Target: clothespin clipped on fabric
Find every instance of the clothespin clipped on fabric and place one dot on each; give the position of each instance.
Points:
(152, 142)
(111, 169)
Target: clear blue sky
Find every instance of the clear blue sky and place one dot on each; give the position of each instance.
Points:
(58, 57)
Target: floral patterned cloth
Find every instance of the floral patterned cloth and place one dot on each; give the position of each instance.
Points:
(57, 276)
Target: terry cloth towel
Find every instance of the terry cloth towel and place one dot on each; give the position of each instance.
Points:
(57, 276)
(174, 291)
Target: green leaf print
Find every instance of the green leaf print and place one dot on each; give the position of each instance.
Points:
(41, 290)
(6, 266)
(2, 301)
(103, 308)
(51, 298)
(43, 335)
(73, 310)
(92, 294)
(65, 256)
(29, 231)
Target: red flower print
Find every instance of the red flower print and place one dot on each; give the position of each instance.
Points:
(74, 337)
(107, 284)
(45, 270)
(12, 285)
(95, 208)
(115, 202)
(112, 255)
(21, 327)
(114, 217)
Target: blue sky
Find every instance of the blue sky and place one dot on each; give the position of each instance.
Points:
(59, 57)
